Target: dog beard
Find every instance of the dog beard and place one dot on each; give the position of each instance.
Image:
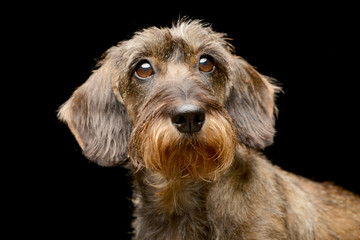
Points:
(158, 146)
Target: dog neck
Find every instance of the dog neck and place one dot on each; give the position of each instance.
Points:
(195, 207)
(177, 196)
(171, 196)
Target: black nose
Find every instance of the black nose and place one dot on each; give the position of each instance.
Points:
(188, 118)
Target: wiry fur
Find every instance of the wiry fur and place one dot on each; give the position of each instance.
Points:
(160, 147)
(210, 185)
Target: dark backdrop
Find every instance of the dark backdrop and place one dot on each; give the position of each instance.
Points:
(310, 50)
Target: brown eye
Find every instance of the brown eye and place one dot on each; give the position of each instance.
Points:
(144, 70)
(206, 64)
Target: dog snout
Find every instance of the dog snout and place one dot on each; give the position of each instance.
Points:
(188, 118)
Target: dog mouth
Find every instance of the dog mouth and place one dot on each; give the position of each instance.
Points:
(160, 146)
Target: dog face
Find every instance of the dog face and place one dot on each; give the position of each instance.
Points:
(156, 57)
(177, 98)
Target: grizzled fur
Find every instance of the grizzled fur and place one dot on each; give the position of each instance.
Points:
(210, 185)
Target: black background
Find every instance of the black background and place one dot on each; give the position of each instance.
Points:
(311, 50)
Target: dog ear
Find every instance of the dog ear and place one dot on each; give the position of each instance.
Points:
(250, 103)
(98, 118)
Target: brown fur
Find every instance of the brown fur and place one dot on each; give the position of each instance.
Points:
(209, 185)
(162, 148)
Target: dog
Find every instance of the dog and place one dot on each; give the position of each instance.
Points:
(190, 119)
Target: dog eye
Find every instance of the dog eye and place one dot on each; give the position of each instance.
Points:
(144, 70)
(206, 64)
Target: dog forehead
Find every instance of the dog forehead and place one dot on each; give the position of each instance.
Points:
(196, 34)
(180, 43)
(164, 46)
(175, 70)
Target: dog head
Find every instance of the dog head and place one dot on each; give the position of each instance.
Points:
(172, 91)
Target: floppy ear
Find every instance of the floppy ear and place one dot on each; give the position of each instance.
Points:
(98, 119)
(250, 103)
